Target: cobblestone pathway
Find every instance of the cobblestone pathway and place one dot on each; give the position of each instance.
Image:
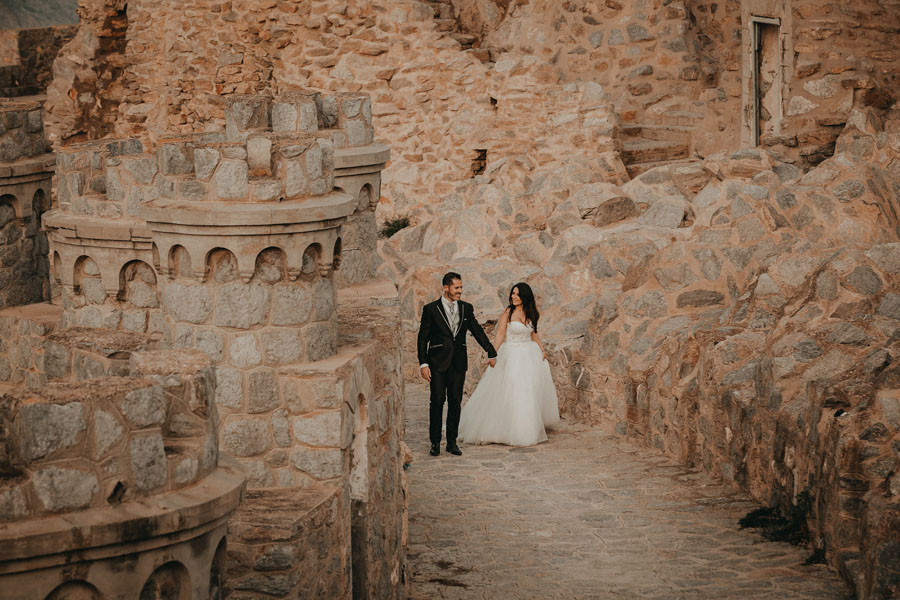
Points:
(585, 516)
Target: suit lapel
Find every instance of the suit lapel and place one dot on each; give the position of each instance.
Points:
(440, 307)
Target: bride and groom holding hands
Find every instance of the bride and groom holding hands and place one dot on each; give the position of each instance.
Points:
(515, 398)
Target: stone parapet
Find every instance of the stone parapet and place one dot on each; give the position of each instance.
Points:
(291, 544)
(79, 445)
(129, 550)
(26, 170)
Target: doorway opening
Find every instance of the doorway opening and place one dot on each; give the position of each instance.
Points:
(767, 77)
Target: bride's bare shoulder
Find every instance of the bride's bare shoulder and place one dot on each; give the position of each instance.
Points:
(504, 316)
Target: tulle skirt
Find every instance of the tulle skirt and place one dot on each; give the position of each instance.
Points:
(514, 401)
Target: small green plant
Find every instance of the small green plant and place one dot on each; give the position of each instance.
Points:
(392, 226)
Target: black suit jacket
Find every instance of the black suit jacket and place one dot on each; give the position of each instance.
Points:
(442, 348)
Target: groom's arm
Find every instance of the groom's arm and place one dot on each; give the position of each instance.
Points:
(480, 336)
(424, 334)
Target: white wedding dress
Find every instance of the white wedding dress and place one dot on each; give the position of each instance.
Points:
(515, 399)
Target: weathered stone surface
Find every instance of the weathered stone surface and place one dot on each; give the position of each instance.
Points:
(281, 345)
(291, 305)
(107, 432)
(696, 298)
(242, 305)
(231, 179)
(244, 436)
(144, 407)
(47, 428)
(61, 489)
(262, 393)
(318, 429)
(244, 351)
(319, 463)
(318, 338)
(148, 462)
(189, 303)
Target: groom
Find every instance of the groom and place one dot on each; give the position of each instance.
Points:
(443, 360)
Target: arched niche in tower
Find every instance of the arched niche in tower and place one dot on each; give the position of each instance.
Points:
(365, 199)
(171, 581)
(86, 280)
(75, 590)
(270, 265)
(222, 265)
(180, 263)
(137, 285)
(336, 256)
(312, 256)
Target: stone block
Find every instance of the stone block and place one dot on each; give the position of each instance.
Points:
(13, 504)
(189, 303)
(246, 436)
(242, 305)
(323, 299)
(175, 159)
(281, 428)
(296, 183)
(148, 462)
(186, 470)
(281, 346)
(210, 342)
(650, 305)
(46, 428)
(231, 179)
(244, 351)
(144, 407)
(318, 429)
(205, 162)
(317, 462)
(262, 393)
(319, 340)
(61, 489)
(285, 117)
(886, 256)
(108, 431)
(259, 155)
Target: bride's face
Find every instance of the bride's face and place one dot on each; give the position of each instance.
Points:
(515, 297)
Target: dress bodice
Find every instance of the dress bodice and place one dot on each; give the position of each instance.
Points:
(518, 333)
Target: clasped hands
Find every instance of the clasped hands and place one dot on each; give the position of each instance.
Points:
(426, 371)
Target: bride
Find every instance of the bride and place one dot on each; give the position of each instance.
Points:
(516, 399)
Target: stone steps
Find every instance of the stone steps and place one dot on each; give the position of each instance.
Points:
(465, 39)
(643, 150)
(446, 24)
(667, 133)
(637, 169)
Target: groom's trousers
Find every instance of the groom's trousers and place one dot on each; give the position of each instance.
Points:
(445, 385)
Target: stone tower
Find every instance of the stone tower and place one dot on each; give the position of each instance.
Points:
(226, 246)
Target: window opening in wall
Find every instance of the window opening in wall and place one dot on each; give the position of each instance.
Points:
(766, 82)
(479, 162)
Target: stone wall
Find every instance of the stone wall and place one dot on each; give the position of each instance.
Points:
(714, 310)
(131, 460)
(25, 180)
(26, 58)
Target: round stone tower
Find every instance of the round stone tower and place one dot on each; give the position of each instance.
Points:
(228, 242)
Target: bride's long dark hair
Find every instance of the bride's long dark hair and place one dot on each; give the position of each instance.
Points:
(528, 305)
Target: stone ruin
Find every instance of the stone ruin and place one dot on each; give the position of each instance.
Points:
(210, 293)
(703, 194)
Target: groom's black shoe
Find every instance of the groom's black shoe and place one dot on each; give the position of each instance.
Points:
(454, 450)
(435, 449)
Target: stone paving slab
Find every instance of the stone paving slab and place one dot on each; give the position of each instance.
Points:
(586, 515)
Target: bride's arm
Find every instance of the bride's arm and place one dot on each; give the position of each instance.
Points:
(537, 340)
(501, 328)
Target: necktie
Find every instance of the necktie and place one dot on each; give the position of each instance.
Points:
(454, 318)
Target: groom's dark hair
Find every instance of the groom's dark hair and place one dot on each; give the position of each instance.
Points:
(449, 277)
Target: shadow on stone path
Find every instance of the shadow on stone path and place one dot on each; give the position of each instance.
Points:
(585, 516)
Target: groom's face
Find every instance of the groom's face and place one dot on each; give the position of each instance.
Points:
(453, 292)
